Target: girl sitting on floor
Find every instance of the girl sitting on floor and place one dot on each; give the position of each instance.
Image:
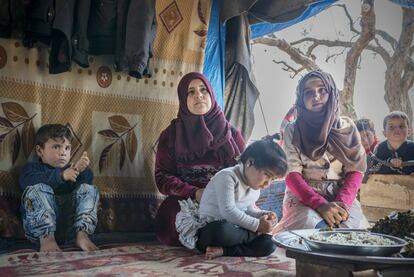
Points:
(228, 222)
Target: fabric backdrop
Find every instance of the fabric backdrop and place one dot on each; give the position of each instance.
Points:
(115, 118)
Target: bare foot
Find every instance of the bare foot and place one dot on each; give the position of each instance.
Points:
(84, 243)
(214, 252)
(49, 244)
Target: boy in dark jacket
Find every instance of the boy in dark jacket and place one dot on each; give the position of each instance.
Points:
(46, 182)
(392, 153)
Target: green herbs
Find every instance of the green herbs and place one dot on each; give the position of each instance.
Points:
(399, 224)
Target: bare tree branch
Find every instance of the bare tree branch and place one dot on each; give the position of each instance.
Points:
(408, 77)
(295, 54)
(353, 55)
(289, 68)
(399, 73)
(335, 55)
(339, 43)
(384, 35)
(351, 21)
(387, 37)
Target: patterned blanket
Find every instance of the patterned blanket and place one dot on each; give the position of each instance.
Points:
(115, 118)
(143, 259)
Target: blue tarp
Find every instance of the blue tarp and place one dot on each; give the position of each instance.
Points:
(262, 29)
(215, 46)
(404, 3)
(214, 53)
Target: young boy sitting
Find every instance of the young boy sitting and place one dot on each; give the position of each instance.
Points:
(369, 138)
(396, 149)
(44, 181)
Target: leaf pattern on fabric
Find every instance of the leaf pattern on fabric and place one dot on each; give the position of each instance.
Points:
(2, 137)
(5, 124)
(28, 137)
(15, 149)
(15, 112)
(104, 156)
(201, 32)
(121, 135)
(119, 123)
(200, 13)
(131, 145)
(122, 153)
(109, 135)
(11, 135)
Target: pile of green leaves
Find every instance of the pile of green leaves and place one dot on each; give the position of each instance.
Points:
(398, 224)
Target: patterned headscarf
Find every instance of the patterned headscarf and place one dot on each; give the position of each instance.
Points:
(196, 134)
(316, 132)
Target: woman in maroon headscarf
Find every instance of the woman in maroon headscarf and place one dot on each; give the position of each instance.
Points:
(316, 196)
(196, 145)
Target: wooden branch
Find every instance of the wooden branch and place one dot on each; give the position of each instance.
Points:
(406, 38)
(334, 55)
(340, 43)
(382, 52)
(289, 68)
(387, 37)
(351, 21)
(295, 54)
(408, 77)
(354, 54)
(399, 73)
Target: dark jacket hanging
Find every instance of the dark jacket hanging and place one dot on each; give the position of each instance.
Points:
(76, 28)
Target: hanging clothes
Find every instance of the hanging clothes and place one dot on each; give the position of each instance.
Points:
(76, 28)
(241, 92)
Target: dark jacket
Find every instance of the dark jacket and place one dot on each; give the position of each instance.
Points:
(125, 28)
(34, 173)
(405, 153)
(11, 18)
(51, 22)
(74, 28)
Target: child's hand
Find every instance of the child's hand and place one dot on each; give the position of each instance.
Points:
(396, 162)
(70, 174)
(272, 217)
(333, 213)
(265, 225)
(82, 163)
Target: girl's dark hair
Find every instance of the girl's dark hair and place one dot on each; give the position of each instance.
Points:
(266, 154)
(52, 131)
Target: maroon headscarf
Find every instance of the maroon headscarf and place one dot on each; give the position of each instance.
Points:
(316, 132)
(197, 134)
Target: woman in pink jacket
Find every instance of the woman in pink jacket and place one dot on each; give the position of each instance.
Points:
(317, 196)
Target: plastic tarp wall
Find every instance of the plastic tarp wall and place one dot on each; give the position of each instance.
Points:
(215, 47)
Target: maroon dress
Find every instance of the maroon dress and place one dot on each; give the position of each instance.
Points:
(180, 180)
(190, 151)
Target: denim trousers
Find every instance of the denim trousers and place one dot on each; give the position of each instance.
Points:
(45, 213)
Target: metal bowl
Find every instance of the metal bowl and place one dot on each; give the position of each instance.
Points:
(349, 249)
(287, 240)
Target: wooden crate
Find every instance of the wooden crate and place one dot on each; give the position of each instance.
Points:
(382, 194)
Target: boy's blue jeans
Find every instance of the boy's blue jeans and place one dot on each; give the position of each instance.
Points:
(41, 210)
